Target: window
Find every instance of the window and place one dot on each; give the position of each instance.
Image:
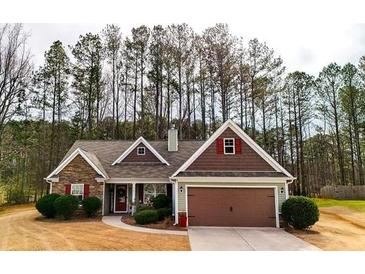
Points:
(229, 146)
(77, 190)
(141, 151)
(152, 190)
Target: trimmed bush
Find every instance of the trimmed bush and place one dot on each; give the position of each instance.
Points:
(300, 212)
(45, 205)
(161, 201)
(66, 205)
(163, 213)
(146, 217)
(91, 205)
(142, 207)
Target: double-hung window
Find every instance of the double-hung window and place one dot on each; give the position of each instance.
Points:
(152, 190)
(77, 190)
(229, 146)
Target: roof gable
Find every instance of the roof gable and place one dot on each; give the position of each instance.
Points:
(246, 160)
(229, 124)
(89, 157)
(151, 153)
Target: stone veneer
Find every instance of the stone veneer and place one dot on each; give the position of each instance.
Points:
(80, 172)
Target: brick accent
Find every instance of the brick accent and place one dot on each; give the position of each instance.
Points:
(78, 171)
(247, 160)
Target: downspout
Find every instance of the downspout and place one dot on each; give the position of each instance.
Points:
(174, 182)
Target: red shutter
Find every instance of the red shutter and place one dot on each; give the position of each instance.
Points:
(219, 146)
(67, 189)
(238, 146)
(86, 190)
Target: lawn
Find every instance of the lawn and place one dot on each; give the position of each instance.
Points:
(22, 228)
(358, 205)
(341, 225)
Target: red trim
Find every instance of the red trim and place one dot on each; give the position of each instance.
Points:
(238, 146)
(67, 189)
(86, 190)
(219, 146)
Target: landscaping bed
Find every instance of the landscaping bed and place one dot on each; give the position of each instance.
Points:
(167, 224)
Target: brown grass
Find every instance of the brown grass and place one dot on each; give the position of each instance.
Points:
(22, 228)
(339, 228)
(168, 223)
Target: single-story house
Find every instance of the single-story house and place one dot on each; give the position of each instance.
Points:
(227, 180)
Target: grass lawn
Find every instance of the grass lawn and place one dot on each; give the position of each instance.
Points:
(358, 205)
(22, 228)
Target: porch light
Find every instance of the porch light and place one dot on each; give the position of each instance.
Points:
(181, 189)
(281, 190)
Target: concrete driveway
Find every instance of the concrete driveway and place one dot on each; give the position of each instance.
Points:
(249, 239)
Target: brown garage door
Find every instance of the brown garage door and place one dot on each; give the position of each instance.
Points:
(253, 207)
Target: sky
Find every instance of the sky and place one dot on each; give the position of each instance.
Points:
(306, 34)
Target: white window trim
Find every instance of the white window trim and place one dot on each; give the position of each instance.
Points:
(155, 192)
(224, 146)
(144, 151)
(83, 188)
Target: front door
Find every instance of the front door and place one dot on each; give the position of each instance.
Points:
(120, 198)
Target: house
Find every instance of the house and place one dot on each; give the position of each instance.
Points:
(227, 180)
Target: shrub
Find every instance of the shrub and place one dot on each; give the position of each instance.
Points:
(300, 212)
(45, 205)
(163, 213)
(142, 207)
(66, 205)
(91, 205)
(161, 201)
(146, 217)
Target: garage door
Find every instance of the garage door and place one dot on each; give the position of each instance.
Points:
(245, 207)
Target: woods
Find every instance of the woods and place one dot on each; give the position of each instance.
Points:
(119, 86)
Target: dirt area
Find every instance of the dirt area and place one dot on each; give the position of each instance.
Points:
(22, 228)
(339, 228)
(168, 223)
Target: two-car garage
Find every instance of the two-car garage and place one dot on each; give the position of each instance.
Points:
(232, 206)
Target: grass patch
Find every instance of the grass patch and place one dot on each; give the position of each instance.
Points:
(358, 205)
(8, 209)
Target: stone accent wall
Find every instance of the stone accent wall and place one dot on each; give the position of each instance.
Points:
(78, 171)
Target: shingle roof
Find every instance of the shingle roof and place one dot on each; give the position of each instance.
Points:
(104, 153)
(231, 174)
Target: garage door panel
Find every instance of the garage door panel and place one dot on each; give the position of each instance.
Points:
(231, 206)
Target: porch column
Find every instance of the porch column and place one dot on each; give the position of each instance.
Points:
(133, 197)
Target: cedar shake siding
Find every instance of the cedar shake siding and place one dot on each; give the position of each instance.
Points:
(246, 160)
(149, 157)
(80, 172)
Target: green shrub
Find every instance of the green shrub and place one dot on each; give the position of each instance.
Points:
(161, 201)
(163, 213)
(142, 207)
(45, 205)
(300, 212)
(91, 205)
(66, 205)
(146, 217)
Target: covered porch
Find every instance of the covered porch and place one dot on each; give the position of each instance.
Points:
(123, 197)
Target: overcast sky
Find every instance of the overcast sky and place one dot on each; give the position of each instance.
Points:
(306, 34)
(303, 48)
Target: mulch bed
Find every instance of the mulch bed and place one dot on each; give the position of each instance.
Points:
(167, 224)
